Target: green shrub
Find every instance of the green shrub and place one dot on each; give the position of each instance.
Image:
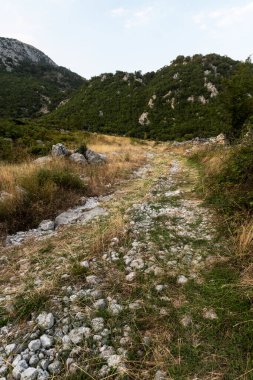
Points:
(232, 187)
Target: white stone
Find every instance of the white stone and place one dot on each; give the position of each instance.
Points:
(10, 348)
(210, 314)
(143, 119)
(77, 335)
(115, 308)
(92, 280)
(19, 368)
(78, 158)
(97, 324)
(59, 150)
(55, 367)
(46, 225)
(47, 341)
(114, 361)
(182, 280)
(45, 320)
(160, 375)
(29, 374)
(85, 264)
(34, 345)
(131, 276)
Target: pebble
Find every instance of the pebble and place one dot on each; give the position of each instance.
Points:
(55, 367)
(29, 374)
(181, 280)
(97, 324)
(34, 345)
(47, 341)
(45, 320)
(10, 348)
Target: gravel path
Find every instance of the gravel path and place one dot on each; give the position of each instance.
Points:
(107, 323)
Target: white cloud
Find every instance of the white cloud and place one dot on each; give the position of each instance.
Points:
(225, 17)
(140, 17)
(134, 17)
(119, 11)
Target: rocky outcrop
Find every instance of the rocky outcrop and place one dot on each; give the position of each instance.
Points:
(79, 214)
(78, 158)
(14, 52)
(59, 150)
(218, 140)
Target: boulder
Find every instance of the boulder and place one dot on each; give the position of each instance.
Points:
(45, 320)
(43, 160)
(95, 158)
(59, 150)
(78, 158)
(46, 225)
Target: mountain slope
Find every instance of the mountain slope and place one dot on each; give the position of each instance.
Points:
(181, 99)
(31, 84)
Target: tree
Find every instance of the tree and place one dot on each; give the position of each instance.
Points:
(238, 97)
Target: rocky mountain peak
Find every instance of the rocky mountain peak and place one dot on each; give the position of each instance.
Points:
(14, 52)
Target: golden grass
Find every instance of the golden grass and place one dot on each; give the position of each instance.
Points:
(245, 238)
(122, 158)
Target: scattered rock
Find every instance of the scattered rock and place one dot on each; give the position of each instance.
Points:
(182, 280)
(10, 348)
(59, 150)
(160, 375)
(29, 374)
(209, 314)
(97, 324)
(47, 341)
(78, 158)
(34, 345)
(45, 320)
(46, 225)
(94, 158)
(54, 368)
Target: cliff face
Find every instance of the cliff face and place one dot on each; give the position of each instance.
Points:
(31, 84)
(14, 52)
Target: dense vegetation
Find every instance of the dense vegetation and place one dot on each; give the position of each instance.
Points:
(186, 99)
(193, 96)
(31, 90)
(228, 185)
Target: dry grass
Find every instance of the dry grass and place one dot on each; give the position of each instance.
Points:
(245, 238)
(46, 199)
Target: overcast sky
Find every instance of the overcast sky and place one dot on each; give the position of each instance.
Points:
(95, 36)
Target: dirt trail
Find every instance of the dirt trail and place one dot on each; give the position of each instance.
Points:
(122, 289)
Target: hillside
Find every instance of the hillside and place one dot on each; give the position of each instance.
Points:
(179, 100)
(145, 280)
(31, 84)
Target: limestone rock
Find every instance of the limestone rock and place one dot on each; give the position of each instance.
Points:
(45, 320)
(59, 150)
(29, 374)
(94, 158)
(46, 225)
(78, 158)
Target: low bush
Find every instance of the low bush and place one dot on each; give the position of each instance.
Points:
(40, 194)
(227, 182)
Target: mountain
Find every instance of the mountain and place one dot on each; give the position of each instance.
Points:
(180, 100)
(31, 84)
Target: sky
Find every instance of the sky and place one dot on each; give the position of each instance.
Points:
(91, 37)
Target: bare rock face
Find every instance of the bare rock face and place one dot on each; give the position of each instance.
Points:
(59, 150)
(14, 52)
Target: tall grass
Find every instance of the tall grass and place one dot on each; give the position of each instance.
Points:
(38, 192)
(227, 182)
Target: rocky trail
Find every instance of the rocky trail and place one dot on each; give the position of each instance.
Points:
(125, 297)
